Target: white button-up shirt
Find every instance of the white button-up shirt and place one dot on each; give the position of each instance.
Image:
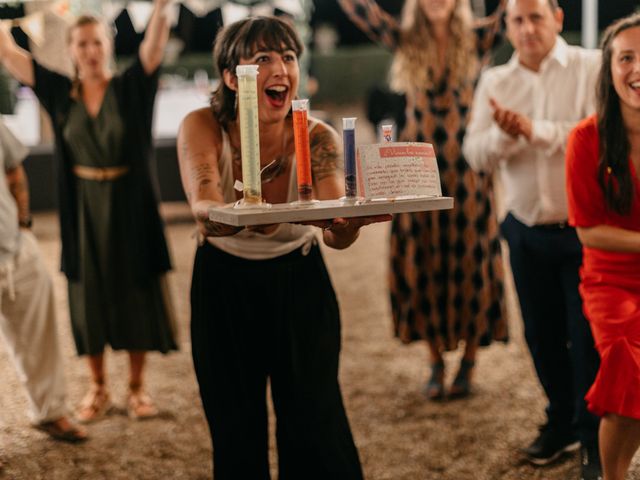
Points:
(555, 98)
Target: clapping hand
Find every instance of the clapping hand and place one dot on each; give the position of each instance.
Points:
(510, 122)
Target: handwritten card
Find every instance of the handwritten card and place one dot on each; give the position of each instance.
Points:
(391, 170)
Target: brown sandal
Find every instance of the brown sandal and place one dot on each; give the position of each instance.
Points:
(65, 431)
(140, 406)
(95, 404)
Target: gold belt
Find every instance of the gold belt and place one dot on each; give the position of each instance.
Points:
(99, 174)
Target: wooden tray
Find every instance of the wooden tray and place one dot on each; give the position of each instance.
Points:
(322, 210)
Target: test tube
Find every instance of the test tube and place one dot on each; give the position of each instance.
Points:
(249, 133)
(349, 147)
(387, 133)
(303, 151)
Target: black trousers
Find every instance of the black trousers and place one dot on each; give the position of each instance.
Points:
(277, 319)
(545, 262)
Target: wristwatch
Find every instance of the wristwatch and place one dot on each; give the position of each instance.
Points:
(26, 222)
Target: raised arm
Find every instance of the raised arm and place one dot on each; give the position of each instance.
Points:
(155, 37)
(489, 29)
(328, 181)
(377, 24)
(199, 143)
(15, 59)
(493, 20)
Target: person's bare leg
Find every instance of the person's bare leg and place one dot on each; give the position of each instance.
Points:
(435, 354)
(470, 350)
(96, 402)
(461, 386)
(139, 405)
(435, 386)
(136, 367)
(619, 441)
(96, 365)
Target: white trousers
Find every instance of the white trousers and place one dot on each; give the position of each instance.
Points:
(28, 327)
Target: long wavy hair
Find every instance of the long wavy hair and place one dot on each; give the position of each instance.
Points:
(613, 169)
(417, 49)
(241, 40)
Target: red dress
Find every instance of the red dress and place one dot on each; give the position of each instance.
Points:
(610, 281)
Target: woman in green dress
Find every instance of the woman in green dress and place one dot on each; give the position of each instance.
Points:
(113, 249)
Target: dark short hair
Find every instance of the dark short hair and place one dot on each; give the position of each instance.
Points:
(613, 169)
(241, 40)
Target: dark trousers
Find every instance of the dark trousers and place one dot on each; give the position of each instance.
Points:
(545, 262)
(270, 319)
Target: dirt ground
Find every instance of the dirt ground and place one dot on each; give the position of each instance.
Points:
(399, 434)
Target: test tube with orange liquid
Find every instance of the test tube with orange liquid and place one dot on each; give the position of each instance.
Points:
(303, 150)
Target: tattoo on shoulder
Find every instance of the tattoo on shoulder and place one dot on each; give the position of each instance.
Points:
(324, 155)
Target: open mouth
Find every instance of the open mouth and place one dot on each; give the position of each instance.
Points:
(635, 86)
(277, 95)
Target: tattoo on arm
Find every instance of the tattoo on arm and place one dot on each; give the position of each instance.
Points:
(210, 228)
(201, 176)
(324, 155)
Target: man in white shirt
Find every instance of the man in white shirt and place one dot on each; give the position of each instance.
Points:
(522, 114)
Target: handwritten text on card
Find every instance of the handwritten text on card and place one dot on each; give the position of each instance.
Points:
(397, 170)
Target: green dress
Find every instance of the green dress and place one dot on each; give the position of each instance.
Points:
(108, 302)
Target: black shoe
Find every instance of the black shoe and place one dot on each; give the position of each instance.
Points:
(590, 468)
(550, 444)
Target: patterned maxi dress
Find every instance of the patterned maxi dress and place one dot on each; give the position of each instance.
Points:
(446, 274)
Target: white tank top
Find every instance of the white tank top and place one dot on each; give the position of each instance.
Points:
(286, 238)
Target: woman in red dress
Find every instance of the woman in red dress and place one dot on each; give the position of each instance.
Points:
(603, 184)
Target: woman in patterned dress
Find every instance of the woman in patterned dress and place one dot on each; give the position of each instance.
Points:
(446, 275)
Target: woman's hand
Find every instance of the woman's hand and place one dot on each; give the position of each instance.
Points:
(207, 227)
(341, 232)
(263, 229)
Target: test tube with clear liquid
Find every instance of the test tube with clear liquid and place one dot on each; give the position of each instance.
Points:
(349, 148)
(249, 135)
(303, 151)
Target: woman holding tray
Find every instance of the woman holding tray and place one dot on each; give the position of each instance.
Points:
(603, 186)
(113, 248)
(446, 273)
(262, 302)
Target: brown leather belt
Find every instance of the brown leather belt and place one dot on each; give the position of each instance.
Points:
(99, 174)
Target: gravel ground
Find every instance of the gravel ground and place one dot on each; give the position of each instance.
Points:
(399, 434)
